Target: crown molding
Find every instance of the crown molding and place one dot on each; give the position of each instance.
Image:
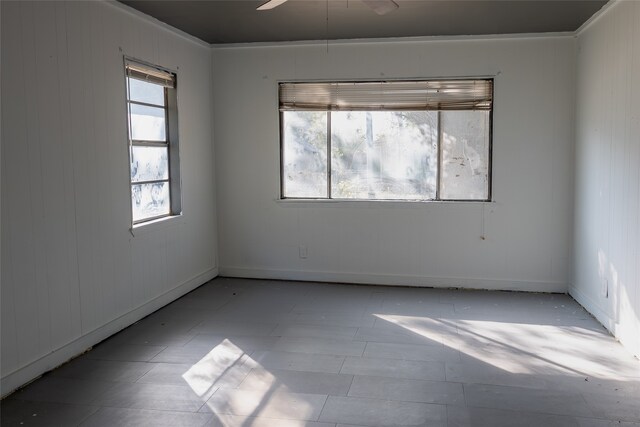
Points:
(596, 16)
(392, 40)
(155, 22)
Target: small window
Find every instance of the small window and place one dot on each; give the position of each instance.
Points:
(391, 140)
(153, 142)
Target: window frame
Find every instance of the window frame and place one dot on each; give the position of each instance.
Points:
(437, 198)
(171, 142)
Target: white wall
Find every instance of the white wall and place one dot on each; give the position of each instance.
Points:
(72, 274)
(528, 229)
(607, 203)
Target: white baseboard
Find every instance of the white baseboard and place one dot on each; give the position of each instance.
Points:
(592, 307)
(609, 321)
(25, 374)
(396, 280)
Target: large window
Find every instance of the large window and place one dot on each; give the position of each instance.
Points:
(395, 140)
(153, 142)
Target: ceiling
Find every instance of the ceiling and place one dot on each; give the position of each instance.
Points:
(238, 21)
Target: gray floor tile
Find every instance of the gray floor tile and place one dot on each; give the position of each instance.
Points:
(128, 417)
(298, 361)
(64, 390)
(166, 373)
(618, 407)
(407, 390)
(275, 402)
(209, 375)
(102, 370)
(417, 307)
(15, 412)
(246, 343)
(335, 319)
(411, 352)
(124, 352)
(251, 314)
(460, 416)
(594, 422)
(181, 354)
(333, 305)
(206, 302)
(420, 325)
(217, 327)
(152, 396)
(374, 412)
(396, 369)
(225, 420)
(526, 399)
(298, 381)
(484, 373)
(320, 346)
(396, 335)
(205, 348)
(159, 337)
(315, 331)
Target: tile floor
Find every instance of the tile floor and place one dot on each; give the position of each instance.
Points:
(245, 353)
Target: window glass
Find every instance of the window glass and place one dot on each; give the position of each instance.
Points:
(383, 154)
(149, 163)
(150, 200)
(465, 155)
(305, 155)
(146, 92)
(147, 123)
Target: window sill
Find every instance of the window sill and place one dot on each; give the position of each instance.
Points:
(377, 203)
(157, 225)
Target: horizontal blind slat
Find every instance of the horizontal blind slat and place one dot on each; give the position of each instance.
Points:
(151, 75)
(388, 95)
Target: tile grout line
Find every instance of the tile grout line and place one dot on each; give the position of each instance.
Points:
(353, 377)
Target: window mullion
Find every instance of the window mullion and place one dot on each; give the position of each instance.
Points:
(150, 181)
(168, 138)
(142, 143)
(329, 154)
(439, 152)
(147, 104)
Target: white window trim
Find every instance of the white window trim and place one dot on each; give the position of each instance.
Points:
(281, 198)
(175, 216)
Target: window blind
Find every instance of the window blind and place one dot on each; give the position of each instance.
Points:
(388, 95)
(150, 74)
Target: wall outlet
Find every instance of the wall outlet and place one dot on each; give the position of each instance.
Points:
(302, 251)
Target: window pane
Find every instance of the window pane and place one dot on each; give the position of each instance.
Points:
(150, 200)
(145, 92)
(149, 163)
(383, 154)
(305, 154)
(465, 155)
(147, 123)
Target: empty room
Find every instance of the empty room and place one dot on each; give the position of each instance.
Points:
(322, 213)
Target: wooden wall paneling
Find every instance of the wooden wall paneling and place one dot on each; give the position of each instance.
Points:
(71, 269)
(54, 232)
(68, 170)
(36, 315)
(16, 236)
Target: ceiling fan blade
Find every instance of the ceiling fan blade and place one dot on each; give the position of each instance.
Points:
(270, 4)
(381, 7)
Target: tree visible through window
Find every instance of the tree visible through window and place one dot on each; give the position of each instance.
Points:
(153, 155)
(387, 141)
